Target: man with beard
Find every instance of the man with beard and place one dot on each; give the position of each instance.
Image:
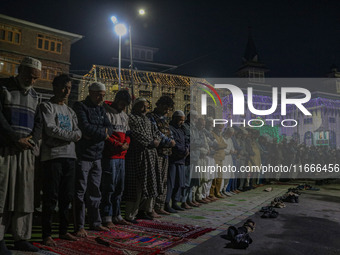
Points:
(159, 119)
(96, 128)
(176, 176)
(219, 155)
(18, 103)
(141, 164)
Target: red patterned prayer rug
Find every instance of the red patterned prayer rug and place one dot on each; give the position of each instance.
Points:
(116, 241)
(146, 237)
(88, 246)
(168, 228)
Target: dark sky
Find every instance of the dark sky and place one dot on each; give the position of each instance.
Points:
(294, 38)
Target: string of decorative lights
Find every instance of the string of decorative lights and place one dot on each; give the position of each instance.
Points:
(155, 84)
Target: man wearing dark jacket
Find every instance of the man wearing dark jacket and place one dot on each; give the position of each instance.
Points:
(176, 174)
(95, 128)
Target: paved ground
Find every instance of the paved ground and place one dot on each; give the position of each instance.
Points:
(309, 227)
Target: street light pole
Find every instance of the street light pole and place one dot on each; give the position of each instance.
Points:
(120, 62)
(131, 65)
(120, 30)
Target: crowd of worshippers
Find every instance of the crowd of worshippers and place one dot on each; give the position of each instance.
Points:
(94, 154)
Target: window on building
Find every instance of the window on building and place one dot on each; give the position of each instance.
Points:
(256, 75)
(9, 66)
(136, 53)
(149, 55)
(48, 73)
(48, 43)
(332, 120)
(142, 54)
(10, 34)
(186, 97)
(172, 95)
(308, 121)
(145, 93)
(338, 85)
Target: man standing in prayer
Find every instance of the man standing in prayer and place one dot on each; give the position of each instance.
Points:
(219, 156)
(18, 103)
(60, 132)
(176, 175)
(141, 164)
(95, 128)
(159, 119)
(113, 161)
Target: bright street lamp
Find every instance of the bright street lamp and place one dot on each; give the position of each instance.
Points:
(120, 30)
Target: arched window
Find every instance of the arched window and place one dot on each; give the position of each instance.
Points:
(332, 139)
(296, 137)
(187, 109)
(308, 138)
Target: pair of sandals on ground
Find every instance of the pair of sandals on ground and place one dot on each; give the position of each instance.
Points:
(239, 237)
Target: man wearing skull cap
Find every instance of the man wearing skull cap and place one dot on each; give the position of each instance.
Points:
(96, 128)
(18, 102)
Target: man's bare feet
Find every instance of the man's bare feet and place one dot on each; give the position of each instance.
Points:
(123, 222)
(81, 233)
(100, 228)
(162, 211)
(153, 214)
(49, 242)
(109, 225)
(68, 236)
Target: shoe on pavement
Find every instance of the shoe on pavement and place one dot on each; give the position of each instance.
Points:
(3, 248)
(23, 245)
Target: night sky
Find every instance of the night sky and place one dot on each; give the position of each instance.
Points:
(294, 38)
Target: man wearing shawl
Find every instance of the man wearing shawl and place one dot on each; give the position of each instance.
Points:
(141, 164)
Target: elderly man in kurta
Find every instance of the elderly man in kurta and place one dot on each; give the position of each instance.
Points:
(176, 174)
(219, 156)
(18, 103)
(141, 164)
(256, 158)
(159, 119)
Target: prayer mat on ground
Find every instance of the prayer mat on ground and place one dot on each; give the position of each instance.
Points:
(83, 246)
(41, 252)
(116, 241)
(168, 228)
